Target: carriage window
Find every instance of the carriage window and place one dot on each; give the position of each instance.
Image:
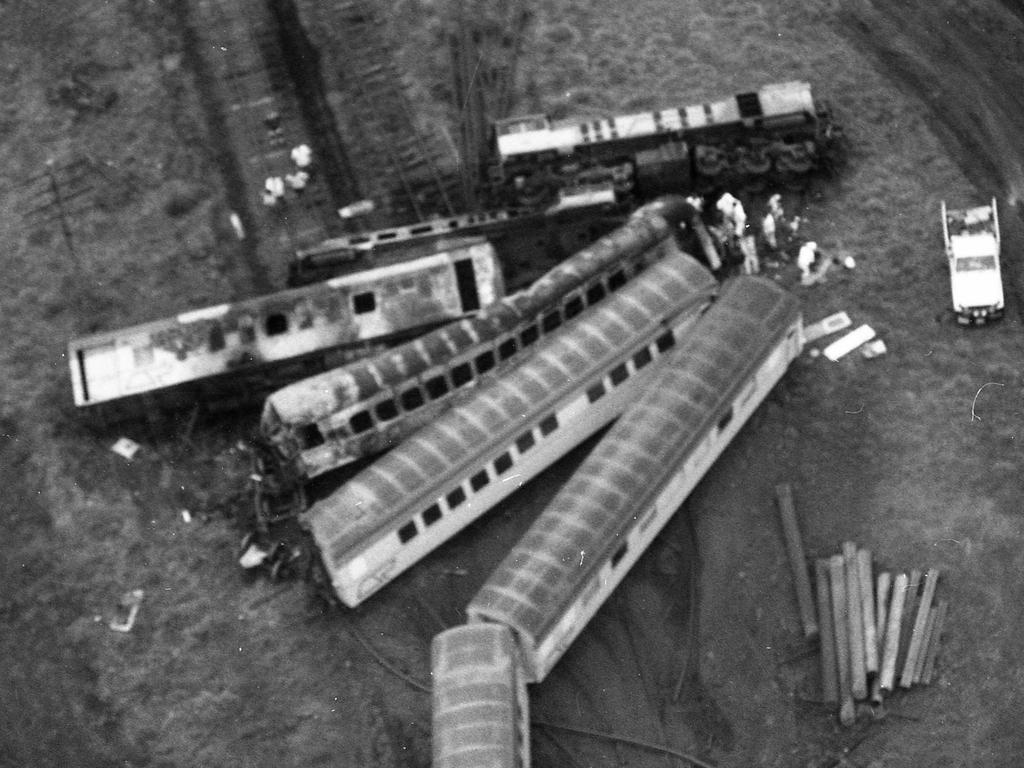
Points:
(216, 338)
(432, 514)
(642, 358)
(246, 330)
(364, 302)
(551, 322)
(455, 498)
(503, 463)
(666, 341)
(479, 480)
(529, 335)
(436, 387)
(525, 442)
(573, 307)
(407, 532)
(595, 293)
(276, 324)
(484, 362)
(618, 554)
(412, 399)
(617, 280)
(360, 422)
(462, 374)
(310, 435)
(387, 410)
(506, 349)
(549, 425)
(619, 374)
(726, 418)
(596, 392)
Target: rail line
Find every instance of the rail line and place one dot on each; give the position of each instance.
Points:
(241, 42)
(393, 146)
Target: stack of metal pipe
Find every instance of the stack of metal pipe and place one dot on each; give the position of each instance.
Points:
(879, 632)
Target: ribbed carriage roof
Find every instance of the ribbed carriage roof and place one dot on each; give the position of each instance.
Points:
(319, 396)
(452, 444)
(474, 697)
(585, 522)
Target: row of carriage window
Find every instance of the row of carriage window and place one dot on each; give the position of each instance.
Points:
(462, 374)
(527, 440)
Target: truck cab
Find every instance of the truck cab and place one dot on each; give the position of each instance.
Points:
(972, 249)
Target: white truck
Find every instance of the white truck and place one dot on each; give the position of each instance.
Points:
(972, 248)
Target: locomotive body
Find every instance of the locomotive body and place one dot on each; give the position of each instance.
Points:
(776, 132)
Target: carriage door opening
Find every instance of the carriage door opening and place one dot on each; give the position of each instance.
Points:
(465, 278)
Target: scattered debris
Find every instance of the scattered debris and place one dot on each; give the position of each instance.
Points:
(843, 346)
(875, 348)
(129, 605)
(827, 326)
(126, 447)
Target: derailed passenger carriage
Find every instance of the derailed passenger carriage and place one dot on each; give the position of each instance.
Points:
(480, 706)
(475, 454)
(777, 132)
(599, 524)
(368, 406)
(231, 354)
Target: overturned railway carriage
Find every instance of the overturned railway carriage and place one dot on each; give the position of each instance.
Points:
(586, 539)
(475, 454)
(232, 353)
(480, 704)
(550, 235)
(366, 407)
(776, 132)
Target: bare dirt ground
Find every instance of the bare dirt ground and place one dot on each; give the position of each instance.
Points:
(916, 454)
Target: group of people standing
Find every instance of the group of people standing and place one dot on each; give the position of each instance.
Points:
(777, 235)
(275, 187)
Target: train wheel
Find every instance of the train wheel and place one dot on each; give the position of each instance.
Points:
(753, 162)
(711, 161)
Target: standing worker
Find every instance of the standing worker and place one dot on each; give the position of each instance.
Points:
(805, 260)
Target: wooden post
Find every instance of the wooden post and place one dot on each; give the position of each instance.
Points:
(907, 625)
(797, 560)
(929, 627)
(829, 682)
(920, 623)
(855, 623)
(867, 607)
(837, 576)
(933, 642)
(892, 632)
(881, 614)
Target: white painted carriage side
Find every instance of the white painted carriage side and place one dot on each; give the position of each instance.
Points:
(541, 654)
(110, 365)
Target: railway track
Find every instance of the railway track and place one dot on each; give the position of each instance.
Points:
(241, 41)
(402, 164)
